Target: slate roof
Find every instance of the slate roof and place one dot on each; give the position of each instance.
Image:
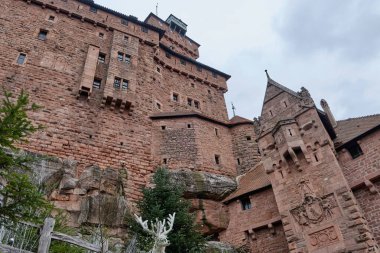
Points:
(280, 86)
(253, 180)
(352, 128)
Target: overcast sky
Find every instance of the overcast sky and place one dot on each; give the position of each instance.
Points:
(329, 46)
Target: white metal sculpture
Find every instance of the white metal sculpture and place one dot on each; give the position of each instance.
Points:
(159, 231)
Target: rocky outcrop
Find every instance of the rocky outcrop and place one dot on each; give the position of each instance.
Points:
(219, 247)
(212, 216)
(203, 185)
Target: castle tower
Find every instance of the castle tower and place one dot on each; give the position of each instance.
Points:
(318, 210)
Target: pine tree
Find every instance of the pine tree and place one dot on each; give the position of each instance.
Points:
(158, 202)
(20, 198)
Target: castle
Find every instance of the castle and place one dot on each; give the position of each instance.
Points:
(122, 97)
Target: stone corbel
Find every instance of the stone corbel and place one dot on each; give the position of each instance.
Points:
(371, 187)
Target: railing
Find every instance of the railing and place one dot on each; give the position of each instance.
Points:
(29, 238)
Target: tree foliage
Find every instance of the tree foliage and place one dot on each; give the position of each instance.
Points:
(160, 201)
(21, 199)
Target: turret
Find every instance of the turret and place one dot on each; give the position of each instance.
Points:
(326, 109)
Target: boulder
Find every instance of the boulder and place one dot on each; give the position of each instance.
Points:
(203, 185)
(212, 216)
(219, 247)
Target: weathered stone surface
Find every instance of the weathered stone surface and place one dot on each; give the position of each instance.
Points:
(219, 247)
(212, 215)
(103, 209)
(202, 184)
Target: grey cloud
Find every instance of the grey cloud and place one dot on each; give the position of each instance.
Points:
(348, 28)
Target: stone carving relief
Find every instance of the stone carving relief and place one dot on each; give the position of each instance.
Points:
(313, 209)
(305, 95)
(324, 237)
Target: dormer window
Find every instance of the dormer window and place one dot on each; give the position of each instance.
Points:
(245, 203)
(355, 150)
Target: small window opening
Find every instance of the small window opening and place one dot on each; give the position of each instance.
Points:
(216, 131)
(101, 35)
(182, 62)
(51, 18)
(21, 58)
(121, 143)
(158, 105)
(165, 161)
(217, 159)
(270, 112)
(126, 38)
(120, 56)
(188, 125)
(199, 69)
(144, 29)
(196, 104)
(214, 75)
(102, 58)
(285, 104)
(158, 70)
(192, 85)
(238, 161)
(116, 83)
(163, 127)
(316, 158)
(290, 132)
(42, 35)
(355, 150)
(124, 85)
(93, 9)
(209, 92)
(248, 138)
(124, 22)
(168, 55)
(189, 102)
(245, 203)
(281, 173)
(175, 97)
(97, 83)
(127, 58)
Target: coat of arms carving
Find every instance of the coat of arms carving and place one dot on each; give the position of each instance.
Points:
(313, 209)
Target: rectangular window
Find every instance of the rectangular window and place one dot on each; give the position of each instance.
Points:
(158, 105)
(102, 58)
(127, 58)
(116, 83)
(175, 97)
(238, 161)
(245, 203)
(189, 102)
(355, 150)
(126, 38)
(21, 58)
(248, 138)
(97, 83)
(101, 35)
(124, 85)
(93, 9)
(182, 62)
(216, 131)
(217, 159)
(124, 22)
(120, 56)
(144, 29)
(42, 34)
(51, 18)
(196, 104)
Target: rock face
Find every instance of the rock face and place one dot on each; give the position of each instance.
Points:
(96, 196)
(212, 216)
(219, 247)
(203, 185)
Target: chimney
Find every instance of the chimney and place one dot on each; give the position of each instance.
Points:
(326, 109)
